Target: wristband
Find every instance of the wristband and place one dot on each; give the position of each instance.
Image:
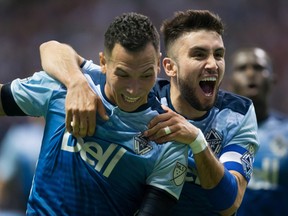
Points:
(83, 63)
(199, 144)
(224, 194)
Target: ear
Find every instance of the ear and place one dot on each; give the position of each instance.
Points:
(170, 67)
(102, 62)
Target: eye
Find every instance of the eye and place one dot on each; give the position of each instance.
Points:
(241, 68)
(148, 73)
(258, 67)
(219, 55)
(199, 55)
(147, 76)
(121, 73)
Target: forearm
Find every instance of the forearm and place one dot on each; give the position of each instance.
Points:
(242, 184)
(210, 170)
(224, 189)
(61, 62)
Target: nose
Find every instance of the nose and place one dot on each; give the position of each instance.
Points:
(249, 71)
(133, 87)
(211, 63)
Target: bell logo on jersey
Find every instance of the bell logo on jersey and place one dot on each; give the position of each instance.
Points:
(179, 174)
(97, 157)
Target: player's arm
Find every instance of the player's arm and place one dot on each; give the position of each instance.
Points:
(8, 106)
(57, 57)
(225, 188)
(156, 202)
(63, 63)
(212, 174)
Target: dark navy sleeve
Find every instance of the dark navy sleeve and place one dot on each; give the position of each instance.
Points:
(10, 107)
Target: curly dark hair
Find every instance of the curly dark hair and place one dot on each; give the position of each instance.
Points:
(132, 31)
(190, 20)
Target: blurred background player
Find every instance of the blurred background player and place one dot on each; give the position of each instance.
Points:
(19, 151)
(267, 193)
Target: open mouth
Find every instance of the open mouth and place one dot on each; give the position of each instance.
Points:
(208, 85)
(252, 86)
(130, 99)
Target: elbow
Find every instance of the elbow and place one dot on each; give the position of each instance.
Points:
(231, 210)
(46, 44)
(227, 196)
(242, 184)
(235, 206)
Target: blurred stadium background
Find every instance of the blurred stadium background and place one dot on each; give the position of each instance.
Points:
(25, 24)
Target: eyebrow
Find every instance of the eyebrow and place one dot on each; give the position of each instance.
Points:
(204, 49)
(121, 70)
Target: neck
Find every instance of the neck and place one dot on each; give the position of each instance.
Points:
(182, 107)
(261, 110)
(262, 114)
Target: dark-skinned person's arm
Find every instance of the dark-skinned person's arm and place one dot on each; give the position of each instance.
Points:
(62, 62)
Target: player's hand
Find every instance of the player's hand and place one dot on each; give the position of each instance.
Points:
(170, 126)
(82, 104)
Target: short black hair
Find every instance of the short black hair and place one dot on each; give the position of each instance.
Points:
(133, 31)
(190, 20)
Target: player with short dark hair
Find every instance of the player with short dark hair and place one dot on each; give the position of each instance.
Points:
(116, 171)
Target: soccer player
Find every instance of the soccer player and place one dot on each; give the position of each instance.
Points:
(116, 171)
(253, 76)
(218, 175)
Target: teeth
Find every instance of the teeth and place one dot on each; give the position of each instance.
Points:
(209, 79)
(131, 100)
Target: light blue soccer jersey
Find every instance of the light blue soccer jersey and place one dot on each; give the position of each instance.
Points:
(267, 192)
(230, 129)
(105, 174)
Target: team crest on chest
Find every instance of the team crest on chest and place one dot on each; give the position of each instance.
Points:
(141, 145)
(214, 139)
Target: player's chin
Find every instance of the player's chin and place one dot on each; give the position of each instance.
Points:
(208, 101)
(129, 106)
(206, 105)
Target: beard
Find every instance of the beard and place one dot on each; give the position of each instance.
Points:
(188, 93)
